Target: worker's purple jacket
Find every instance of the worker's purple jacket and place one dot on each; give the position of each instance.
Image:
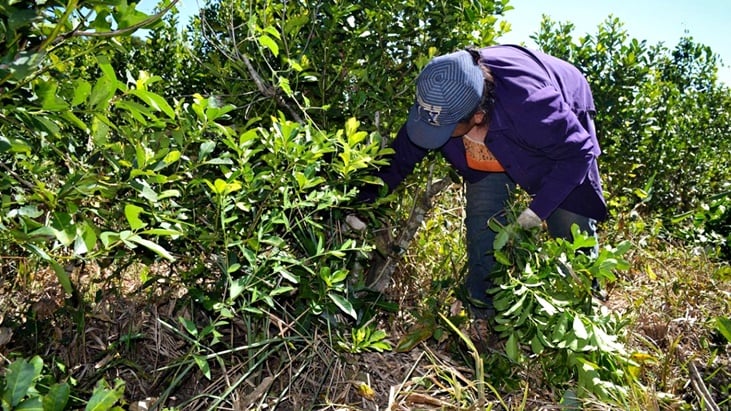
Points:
(541, 132)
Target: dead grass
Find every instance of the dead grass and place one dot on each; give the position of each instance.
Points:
(670, 297)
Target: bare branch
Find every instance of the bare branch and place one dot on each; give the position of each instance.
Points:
(700, 388)
(17, 177)
(268, 90)
(383, 265)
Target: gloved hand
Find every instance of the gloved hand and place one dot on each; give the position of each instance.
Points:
(355, 222)
(529, 219)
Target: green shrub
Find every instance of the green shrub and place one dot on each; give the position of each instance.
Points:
(27, 384)
(547, 315)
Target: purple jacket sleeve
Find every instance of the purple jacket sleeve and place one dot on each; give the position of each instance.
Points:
(550, 128)
(405, 157)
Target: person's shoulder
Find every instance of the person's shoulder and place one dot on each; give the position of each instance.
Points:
(499, 51)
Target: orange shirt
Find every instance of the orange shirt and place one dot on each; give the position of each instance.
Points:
(479, 157)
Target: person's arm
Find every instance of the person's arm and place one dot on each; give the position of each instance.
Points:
(547, 125)
(402, 162)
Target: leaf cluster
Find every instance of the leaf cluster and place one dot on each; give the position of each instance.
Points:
(26, 385)
(548, 316)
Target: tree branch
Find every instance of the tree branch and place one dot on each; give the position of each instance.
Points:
(696, 380)
(119, 32)
(384, 264)
(268, 90)
(239, 59)
(17, 177)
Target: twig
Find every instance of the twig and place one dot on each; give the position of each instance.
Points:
(239, 59)
(382, 267)
(696, 380)
(17, 177)
(267, 90)
(119, 32)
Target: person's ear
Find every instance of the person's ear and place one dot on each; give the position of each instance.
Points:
(479, 117)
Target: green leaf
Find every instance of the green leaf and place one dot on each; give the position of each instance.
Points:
(102, 22)
(124, 236)
(512, 350)
(155, 101)
(202, 363)
(421, 332)
(102, 93)
(31, 211)
(139, 112)
(48, 93)
(236, 288)
(168, 193)
(100, 130)
(73, 119)
(82, 89)
(339, 276)
(570, 401)
(189, 326)
(127, 15)
(206, 148)
(85, 239)
(25, 63)
(517, 306)
(579, 328)
(57, 397)
(154, 247)
(344, 305)
(559, 330)
(103, 398)
(172, 157)
(61, 274)
(502, 258)
(18, 18)
(536, 345)
(132, 213)
(108, 238)
(162, 231)
(4, 144)
(31, 404)
(106, 66)
(214, 113)
(501, 239)
(285, 86)
(723, 325)
(148, 193)
(549, 308)
(281, 290)
(269, 43)
(580, 239)
(18, 380)
(64, 228)
(286, 274)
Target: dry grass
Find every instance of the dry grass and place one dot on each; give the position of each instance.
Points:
(670, 297)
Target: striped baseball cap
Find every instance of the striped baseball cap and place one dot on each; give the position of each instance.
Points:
(448, 89)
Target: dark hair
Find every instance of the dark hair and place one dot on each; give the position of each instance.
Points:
(488, 92)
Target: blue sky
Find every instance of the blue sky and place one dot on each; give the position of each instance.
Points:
(707, 21)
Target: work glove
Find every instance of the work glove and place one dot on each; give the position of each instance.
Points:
(529, 219)
(355, 222)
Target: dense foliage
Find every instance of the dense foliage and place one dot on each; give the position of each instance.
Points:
(229, 156)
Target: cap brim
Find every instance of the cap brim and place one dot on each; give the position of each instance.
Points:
(424, 134)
